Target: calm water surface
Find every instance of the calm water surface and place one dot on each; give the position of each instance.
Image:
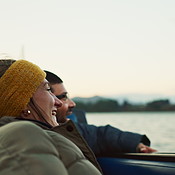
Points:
(158, 126)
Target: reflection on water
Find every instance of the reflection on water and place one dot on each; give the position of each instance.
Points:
(158, 126)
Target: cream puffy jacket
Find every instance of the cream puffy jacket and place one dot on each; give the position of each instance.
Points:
(27, 149)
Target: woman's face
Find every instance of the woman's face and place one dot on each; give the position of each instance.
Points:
(47, 102)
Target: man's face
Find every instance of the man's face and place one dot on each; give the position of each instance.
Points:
(67, 106)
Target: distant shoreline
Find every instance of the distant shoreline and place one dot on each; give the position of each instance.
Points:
(100, 104)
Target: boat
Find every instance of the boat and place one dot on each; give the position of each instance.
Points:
(159, 163)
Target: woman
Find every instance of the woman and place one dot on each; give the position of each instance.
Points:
(29, 134)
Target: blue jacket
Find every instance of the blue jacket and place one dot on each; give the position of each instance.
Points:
(108, 141)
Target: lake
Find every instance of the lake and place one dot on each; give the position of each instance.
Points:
(158, 126)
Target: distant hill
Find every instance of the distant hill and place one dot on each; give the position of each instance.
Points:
(132, 98)
(91, 100)
(142, 98)
(126, 103)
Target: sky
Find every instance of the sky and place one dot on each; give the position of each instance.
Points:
(98, 47)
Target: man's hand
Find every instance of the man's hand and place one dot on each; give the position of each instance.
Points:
(141, 148)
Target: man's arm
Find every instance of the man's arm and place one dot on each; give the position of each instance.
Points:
(107, 140)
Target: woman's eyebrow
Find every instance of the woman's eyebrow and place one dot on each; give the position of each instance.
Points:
(46, 83)
(49, 84)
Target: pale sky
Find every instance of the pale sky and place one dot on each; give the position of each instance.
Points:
(98, 47)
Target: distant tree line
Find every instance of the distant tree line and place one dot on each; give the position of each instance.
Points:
(110, 105)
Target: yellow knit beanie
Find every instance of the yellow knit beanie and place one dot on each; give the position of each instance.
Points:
(18, 85)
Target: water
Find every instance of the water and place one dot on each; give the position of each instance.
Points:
(158, 126)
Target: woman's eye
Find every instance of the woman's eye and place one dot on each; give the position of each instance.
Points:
(49, 89)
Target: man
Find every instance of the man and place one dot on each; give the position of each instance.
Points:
(103, 140)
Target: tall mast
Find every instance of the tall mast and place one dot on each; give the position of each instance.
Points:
(22, 52)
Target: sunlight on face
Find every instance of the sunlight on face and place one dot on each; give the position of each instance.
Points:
(47, 102)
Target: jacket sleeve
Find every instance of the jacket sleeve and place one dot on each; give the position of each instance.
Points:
(107, 140)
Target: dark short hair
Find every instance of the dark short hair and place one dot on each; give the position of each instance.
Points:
(52, 78)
